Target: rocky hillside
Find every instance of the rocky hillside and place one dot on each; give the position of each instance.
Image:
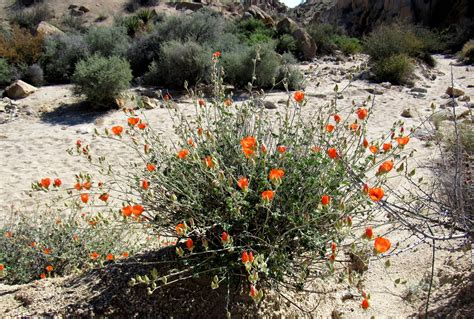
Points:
(360, 16)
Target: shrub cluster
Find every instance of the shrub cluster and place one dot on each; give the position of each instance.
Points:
(329, 38)
(467, 53)
(6, 72)
(29, 18)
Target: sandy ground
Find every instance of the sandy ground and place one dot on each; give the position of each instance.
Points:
(33, 147)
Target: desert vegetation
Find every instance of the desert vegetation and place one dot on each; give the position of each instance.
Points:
(248, 198)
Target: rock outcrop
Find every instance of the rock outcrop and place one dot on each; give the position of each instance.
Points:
(304, 42)
(19, 90)
(46, 29)
(361, 16)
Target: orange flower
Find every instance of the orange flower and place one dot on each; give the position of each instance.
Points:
(49, 268)
(166, 97)
(332, 257)
(225, 236)
(248, 152)
(199, 130)
(369, 233)
(43, 276)
(132, 121)
(251, 256)
(332, 153)
(180, 229)
(104, 197)
(249, 142)
(127, 211)
(385, 167)
(276, 174)
(253, 291)
(381, 245)
(376, 194)
(142, 125)
(228, 102)
(349, 221)
(365, 304)
(361, 113)
(281, 149)
(333, 247)
(75, 238)
(45, 182)
(191, 142)
(190, 244)
(403, 140)
(78, 186)
(125, 254)
(387, 147)
(337, 118)
(299, 96)
(57, 182)
(150, 167)
(330, 128)
(209, 162)
(268, 195)
(8, 234)
(145, 184)
(47, 251)
(373, 149)
(216, 54)
(110, 257)
(87, 185)
(365, 188)
(325, 199)
(33, 244)
(202, 103)
(84, 198)
(263, 148)
(183, 153)
(117, 130)
(94, 255)
(243, 183)
(354, 127)
(78, 143)
(365, 143)
(245, 257)
(137, 210)
(2, 267)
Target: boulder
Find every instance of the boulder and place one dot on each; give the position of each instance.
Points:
(149, 103)
(454, 92)
(193, 6)
(84, 9)
(287, 25)
(305, 44)
(259, 14)
(464, 98)
(46, 29)
(19, 90)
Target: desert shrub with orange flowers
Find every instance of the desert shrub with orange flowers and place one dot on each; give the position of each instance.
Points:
(251, 197)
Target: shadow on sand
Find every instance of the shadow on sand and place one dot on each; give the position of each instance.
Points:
(73, 114)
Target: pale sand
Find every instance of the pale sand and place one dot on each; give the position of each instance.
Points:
(31, 148)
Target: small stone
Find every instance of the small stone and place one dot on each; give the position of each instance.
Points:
(444, 96)
(448, 104)
(269, 105)
(407, 113)
(149, 103)
(375, 91)
(454, 92)
(386, 85)
(29, 111)
(419, 90)
(464, 98)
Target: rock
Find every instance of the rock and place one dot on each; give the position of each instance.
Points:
(84, 9)
(19, 90)
(464, 98)
(407, 113)
(305, 44)
(318, 95)
(76, 13)
(448, 104)
(444, 96)
(46, 29)
(375, 91)
(448, 114)
(286, 25)
(3, 119)
(149, 103)
(29, 111)
(72, 6)
(386, 85)
(269, 105)
(193, 6)
(419, 90)
(259, 14)
(454, 92)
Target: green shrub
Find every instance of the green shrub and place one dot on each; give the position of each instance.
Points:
(102, 79)
(247, 27)
(140, 23)
(323, 35)
(393, 39)
(29, 18)
(180, 62)
(289, 74)
(34, 75)
(395, 69)
(347, 44)
(143, 51)
(467, 52)
(239, 64)
(73, 24)
(61, 54)
(286, 43)
(6, 73)
(108, 41)
(203, 26)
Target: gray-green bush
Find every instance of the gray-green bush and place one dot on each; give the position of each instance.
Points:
(108, 41)
(61, 54)
(395, 69)
(29, 18)
(102, 79)
(180, 62)
(6, 72)
(34, 75)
